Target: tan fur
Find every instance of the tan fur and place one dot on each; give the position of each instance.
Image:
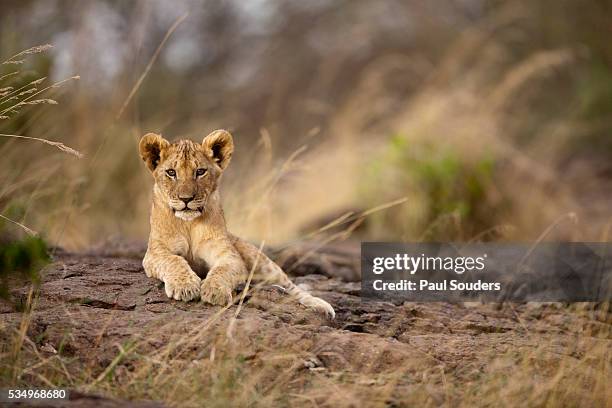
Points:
(188, 231)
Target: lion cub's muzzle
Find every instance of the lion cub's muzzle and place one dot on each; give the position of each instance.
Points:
(187, 208)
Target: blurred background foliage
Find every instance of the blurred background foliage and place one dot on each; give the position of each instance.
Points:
(20, 259)
(492, 118)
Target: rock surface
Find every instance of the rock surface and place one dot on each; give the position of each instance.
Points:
(89, 304)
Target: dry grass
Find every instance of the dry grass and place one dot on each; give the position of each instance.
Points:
(201, 364)
(14, 99)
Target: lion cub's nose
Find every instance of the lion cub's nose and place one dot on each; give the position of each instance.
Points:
(186, 199)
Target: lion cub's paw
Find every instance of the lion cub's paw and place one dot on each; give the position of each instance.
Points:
(183, 287)
(319, 305)
(216, 291)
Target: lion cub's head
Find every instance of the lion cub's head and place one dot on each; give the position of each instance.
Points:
(187, 173)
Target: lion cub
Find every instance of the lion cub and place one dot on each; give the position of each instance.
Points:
(188, 227)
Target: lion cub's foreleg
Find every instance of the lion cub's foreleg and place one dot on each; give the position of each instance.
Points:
(267, 271)
(180, 281)
(226, 271)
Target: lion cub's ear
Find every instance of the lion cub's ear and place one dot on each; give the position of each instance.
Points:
(151, 146)
(219, 146)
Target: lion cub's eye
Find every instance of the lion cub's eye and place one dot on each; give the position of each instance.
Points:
(171, 173)
(200, 172)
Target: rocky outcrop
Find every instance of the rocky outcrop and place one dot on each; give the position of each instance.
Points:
(88, 304)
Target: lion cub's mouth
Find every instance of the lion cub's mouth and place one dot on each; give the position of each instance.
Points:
(188, 214)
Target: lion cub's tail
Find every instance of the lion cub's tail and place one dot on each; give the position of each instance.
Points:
(269, 272)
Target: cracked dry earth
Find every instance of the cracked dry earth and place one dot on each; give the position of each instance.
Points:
(90, 303)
